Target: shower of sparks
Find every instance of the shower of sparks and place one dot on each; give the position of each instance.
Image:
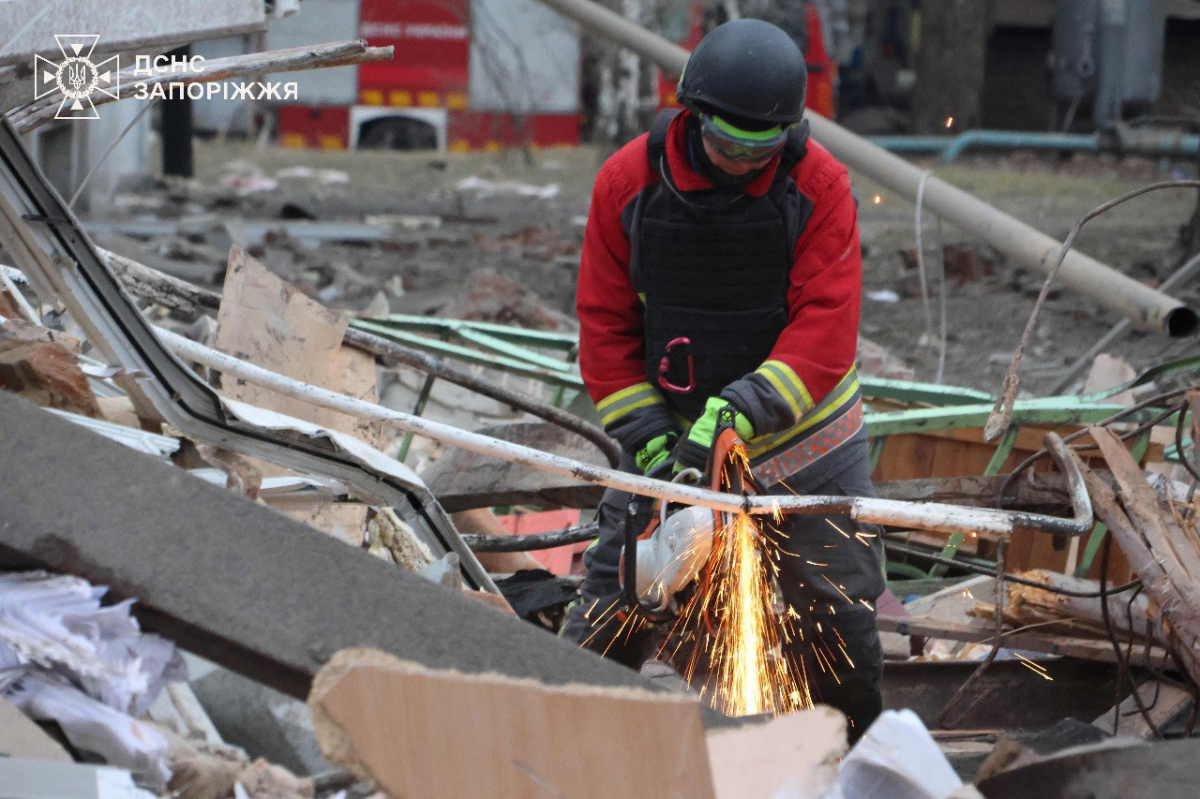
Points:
(835, 527)
(1033, 666)
(730, 641)
(949, 122)
(878, 199)
(737, 633)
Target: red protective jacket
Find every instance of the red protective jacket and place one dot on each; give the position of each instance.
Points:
(813, 356)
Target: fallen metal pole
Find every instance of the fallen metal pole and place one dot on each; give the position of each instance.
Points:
(927, 516)
(1147, 308)
(1178, 278)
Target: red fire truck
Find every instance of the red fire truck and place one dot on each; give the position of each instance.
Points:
(427, 96)
(685, 26)
(419, 99)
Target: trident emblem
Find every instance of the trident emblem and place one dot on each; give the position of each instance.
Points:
(77, 77)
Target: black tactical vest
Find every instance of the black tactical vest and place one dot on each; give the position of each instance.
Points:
(713, 267)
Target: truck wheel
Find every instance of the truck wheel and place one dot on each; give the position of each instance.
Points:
(398, 134)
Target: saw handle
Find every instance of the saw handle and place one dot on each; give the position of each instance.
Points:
(638, 514)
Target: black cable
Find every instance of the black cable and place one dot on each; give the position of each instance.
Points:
(1158, 677)
(945, 721)
(1008, 576)
(1122, 665)
(531, 541)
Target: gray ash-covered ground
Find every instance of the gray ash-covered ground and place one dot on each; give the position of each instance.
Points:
(514, 258)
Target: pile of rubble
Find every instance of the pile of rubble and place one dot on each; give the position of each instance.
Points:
(254, 507)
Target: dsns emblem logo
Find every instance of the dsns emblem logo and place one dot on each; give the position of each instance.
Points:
(76, 77)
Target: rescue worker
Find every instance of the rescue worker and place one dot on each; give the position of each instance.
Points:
(721, 271)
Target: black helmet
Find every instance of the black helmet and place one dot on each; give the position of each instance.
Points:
(749, 70)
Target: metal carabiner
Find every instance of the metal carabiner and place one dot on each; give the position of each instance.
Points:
(664, 367)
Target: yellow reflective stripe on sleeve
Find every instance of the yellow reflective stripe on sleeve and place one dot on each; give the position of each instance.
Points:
(639, 395)
(789, 385)
(842, 393)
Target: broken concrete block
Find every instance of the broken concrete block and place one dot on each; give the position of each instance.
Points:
(260, 603)
(874, 360)
(267, 781)
(19, 330)
(262, 721)
(200, 769)
(463, 480)
(8, 305)
(120, 410)
(388, 537)
(43, 371)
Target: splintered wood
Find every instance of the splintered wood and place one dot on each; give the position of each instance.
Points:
(1162, 543)
(421, 732)
(1028, 606)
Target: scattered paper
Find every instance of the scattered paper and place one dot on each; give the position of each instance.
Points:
(326, 176)
(897, 758)
(67, 658)
(90, 726)
(491, 188)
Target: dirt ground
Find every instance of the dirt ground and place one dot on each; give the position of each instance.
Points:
(533, 242)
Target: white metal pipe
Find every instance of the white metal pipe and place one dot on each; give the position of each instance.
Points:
(1145, 307)
(929, 516)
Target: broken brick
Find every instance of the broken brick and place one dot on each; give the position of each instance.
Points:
(42, 370)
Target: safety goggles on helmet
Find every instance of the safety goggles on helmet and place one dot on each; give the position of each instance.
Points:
(739, 144)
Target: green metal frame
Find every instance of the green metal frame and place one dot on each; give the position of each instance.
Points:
(955, 412)
(479, 344)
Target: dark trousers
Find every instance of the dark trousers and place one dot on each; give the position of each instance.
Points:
(830, 575)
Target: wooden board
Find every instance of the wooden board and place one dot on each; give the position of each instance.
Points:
(427, 733)
(790, 756)
(271, 324)
(963, 452)
(1165, 703)
(343, 520)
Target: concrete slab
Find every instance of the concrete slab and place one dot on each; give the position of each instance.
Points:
(261, 720)
(236, 582)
